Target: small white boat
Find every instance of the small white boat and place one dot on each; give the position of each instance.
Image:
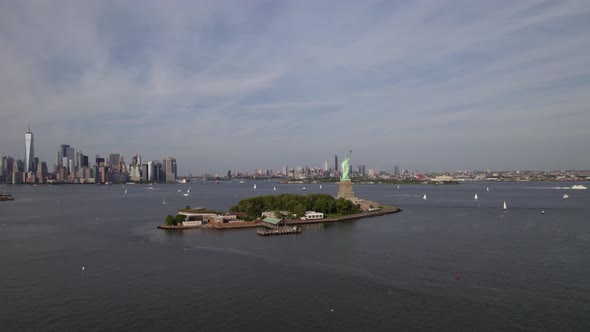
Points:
(303, 188)
(579, 186)
(164, 200)
(186, 194)
(179, 190)
(487, 189)
(397, 187)
(543, 212)
(274, 188)
(188, 191)
(255, 186)
(320, 186)
(566, 196)
(241, 181)
(424, 197)
(150, 188)
(504, 207)
(125, 190)
(475, 197)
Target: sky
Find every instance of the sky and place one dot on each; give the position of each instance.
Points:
(427, 85)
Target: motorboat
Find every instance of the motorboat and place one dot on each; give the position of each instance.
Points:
(579, 186)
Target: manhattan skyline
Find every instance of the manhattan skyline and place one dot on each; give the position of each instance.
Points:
(428, 85)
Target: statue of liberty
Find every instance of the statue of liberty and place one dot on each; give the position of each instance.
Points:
(345, 167)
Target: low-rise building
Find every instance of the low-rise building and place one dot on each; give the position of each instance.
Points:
(273, 222)
(192, 223)
(312, 215)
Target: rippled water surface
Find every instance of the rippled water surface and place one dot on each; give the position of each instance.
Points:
(520, 269)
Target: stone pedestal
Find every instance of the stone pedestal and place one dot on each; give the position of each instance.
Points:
(345, 190)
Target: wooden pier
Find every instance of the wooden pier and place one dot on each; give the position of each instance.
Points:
(279, 231)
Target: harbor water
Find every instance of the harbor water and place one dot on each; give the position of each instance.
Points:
(89, 257)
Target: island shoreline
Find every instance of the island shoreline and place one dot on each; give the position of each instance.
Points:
(252, 224)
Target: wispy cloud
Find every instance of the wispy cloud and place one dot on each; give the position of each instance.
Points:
(426, 84)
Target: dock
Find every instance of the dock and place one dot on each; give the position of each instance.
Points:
(279, 231)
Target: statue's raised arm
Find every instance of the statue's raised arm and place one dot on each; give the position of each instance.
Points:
(345, 167)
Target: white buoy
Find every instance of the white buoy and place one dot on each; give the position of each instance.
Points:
(83, 268)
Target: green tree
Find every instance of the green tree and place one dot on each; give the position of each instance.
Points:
(299, 210)
(169, 220)
(179, 219)
(344, 207)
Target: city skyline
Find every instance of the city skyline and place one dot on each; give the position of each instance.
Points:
(426, 85)
(73, 158)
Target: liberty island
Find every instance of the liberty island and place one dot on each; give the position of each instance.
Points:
(275, 211)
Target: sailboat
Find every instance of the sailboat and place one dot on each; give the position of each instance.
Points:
(424, 197)
(255, 186)
(504, 206)
(320, 186)
(164, 200)
(125, 190)
(397, 187)
(188, 192)
(487, 189)
(566, 196)
(475, 197)
(274, 188)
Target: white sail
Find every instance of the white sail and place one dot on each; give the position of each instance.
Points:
(164, 200)
(487, 189)
(274, 188)
(424, 197)
(504, 206)
(475, 197)
(255, 186)
(125, 190)
(320, 186)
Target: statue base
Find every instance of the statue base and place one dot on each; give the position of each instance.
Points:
(345, 190)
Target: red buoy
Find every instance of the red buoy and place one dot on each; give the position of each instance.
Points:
(458, 276)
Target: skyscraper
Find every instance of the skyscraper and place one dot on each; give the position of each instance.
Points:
(29, 152)
(170, 169)
(151, 171)
(336, 163)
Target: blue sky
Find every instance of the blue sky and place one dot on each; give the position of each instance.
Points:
(428, 85)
